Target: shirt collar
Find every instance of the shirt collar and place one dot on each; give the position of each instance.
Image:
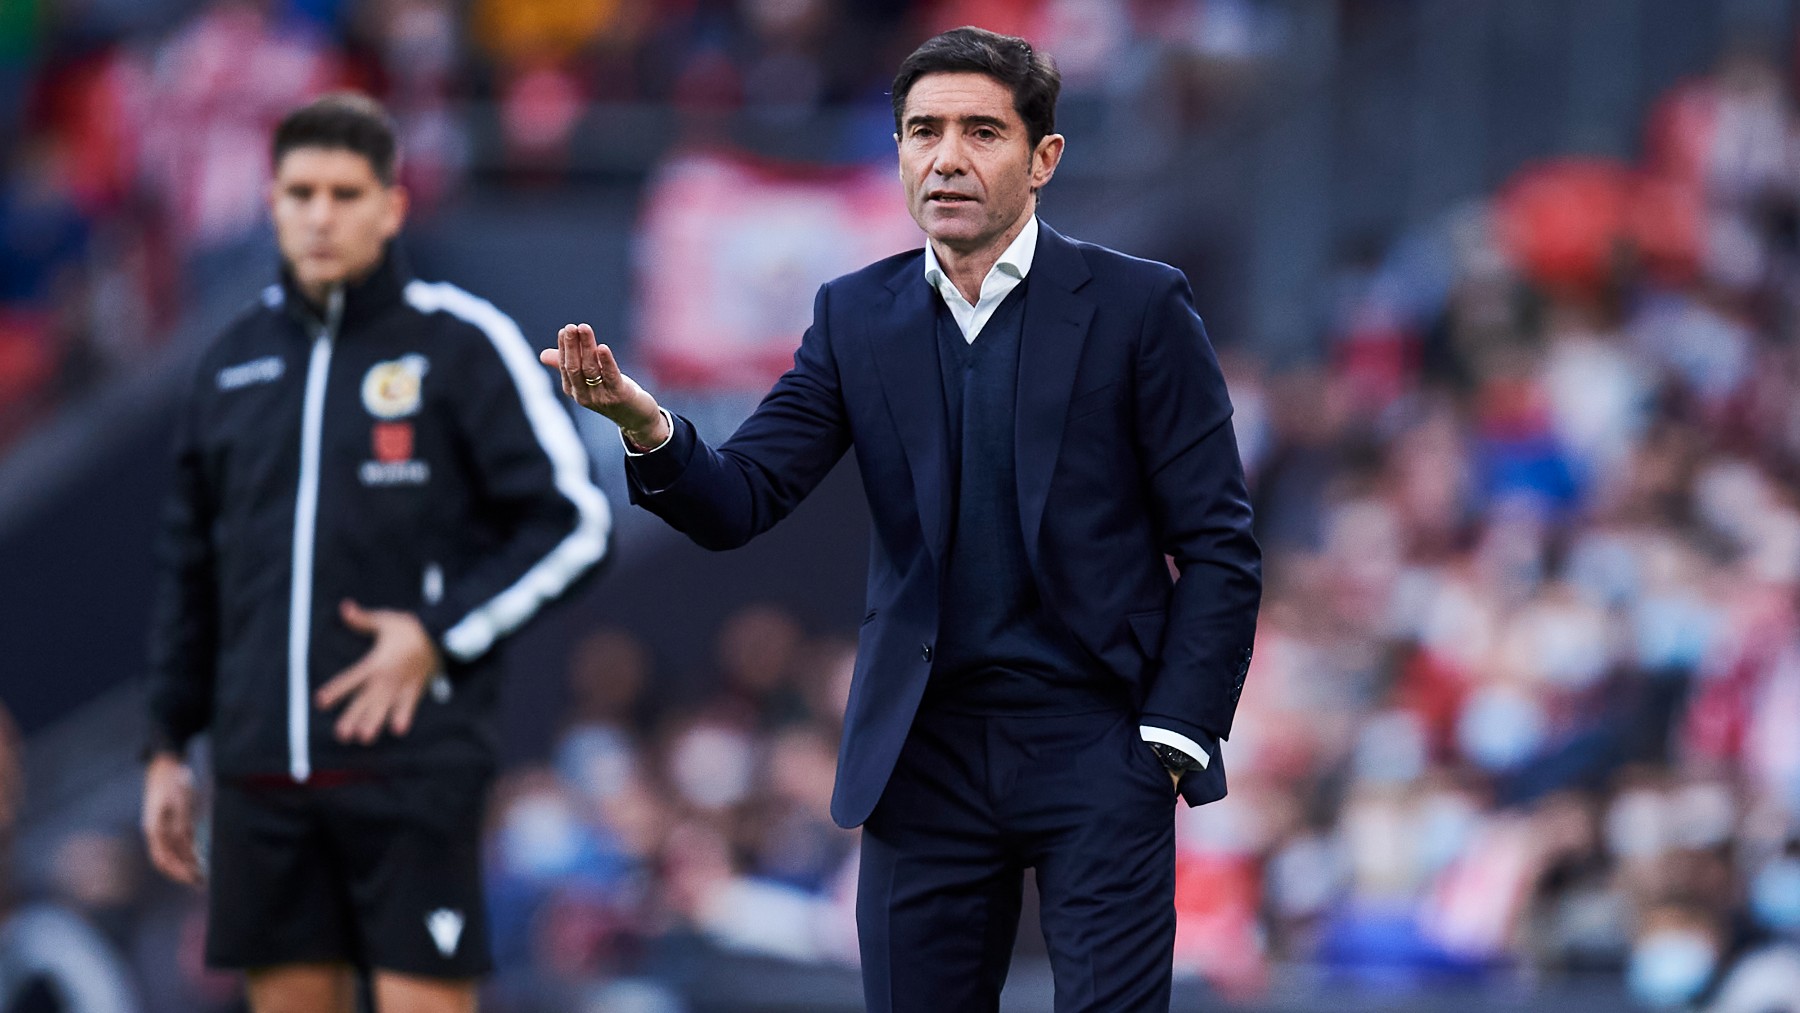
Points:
(1014, 260)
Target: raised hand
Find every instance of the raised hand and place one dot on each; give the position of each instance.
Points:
(592, 377)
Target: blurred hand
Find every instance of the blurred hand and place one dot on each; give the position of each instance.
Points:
(384, 686)
(580, 358)
(169, 818)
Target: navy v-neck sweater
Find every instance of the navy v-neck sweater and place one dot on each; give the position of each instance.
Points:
(998, 649)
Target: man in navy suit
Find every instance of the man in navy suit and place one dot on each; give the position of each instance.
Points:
(1041, 425)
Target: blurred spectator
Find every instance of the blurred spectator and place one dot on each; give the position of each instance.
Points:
(1576, 922)
(418, 51)
(41, 229)
(825, 682)
(100, 875)
(794, 841)
(1676, 954)
(710, 762)
(535, 44)
(1726, 141)
(1765, 980)
(216, 90)
(608, 672)
(758, 656)
(522, 32)
(562, 891)
(43, 248)
(52, 956)
(1686, 957)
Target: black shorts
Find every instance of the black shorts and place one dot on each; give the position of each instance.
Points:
(383, 872)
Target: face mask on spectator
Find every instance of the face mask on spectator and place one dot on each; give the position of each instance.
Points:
(1669, 967)
(597, 760)
(1501, 728)
(1569, 647)
(712, 765)
(540, 837)
(1673, 632)
(1775, 895)
(1445, 824)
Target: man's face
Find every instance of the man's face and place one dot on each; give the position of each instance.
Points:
(332, 216)
(966, 161)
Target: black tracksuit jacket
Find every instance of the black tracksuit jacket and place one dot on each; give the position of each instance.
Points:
(401, 447)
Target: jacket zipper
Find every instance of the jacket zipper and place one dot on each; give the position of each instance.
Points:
(306, 513)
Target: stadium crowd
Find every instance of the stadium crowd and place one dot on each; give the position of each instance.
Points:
(1529, 662)
(1527, 669)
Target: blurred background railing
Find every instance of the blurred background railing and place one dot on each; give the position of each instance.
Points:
(1505, 291)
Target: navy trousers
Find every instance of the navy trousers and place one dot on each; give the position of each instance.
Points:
(973, 802)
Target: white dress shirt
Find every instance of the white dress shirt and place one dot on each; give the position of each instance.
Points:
(1006, 274)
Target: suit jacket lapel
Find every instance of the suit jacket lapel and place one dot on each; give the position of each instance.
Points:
(1055, 330)
(904, 337)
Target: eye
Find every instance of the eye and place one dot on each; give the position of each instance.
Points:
(986, 133)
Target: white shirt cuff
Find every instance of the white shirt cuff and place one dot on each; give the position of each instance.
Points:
(670, 419)
(1151, 733)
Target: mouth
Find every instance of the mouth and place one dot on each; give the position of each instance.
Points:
(948, 198)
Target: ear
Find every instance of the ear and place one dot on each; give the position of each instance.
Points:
(399, 201)
(1045, 159)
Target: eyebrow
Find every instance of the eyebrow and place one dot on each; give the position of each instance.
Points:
(979, 119)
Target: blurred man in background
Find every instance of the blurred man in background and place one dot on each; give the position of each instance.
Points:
(343, 549)
(1038, 422)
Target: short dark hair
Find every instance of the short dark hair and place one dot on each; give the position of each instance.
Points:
(1032, 76)
(345, 120)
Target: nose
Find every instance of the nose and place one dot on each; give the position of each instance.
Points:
(318, 210)
(950, 158)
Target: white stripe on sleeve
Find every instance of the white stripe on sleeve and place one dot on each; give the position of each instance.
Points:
(584, 546)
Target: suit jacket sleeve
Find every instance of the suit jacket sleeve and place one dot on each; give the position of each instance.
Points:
(185, 622)
(723, 498)
(1201, 513)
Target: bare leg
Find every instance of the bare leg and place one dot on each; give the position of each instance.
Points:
(405, 993)
(302, 988)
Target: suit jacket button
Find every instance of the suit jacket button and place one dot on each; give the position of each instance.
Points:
(925, 652)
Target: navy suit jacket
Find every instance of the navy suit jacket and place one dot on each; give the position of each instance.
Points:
(1125, 456)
